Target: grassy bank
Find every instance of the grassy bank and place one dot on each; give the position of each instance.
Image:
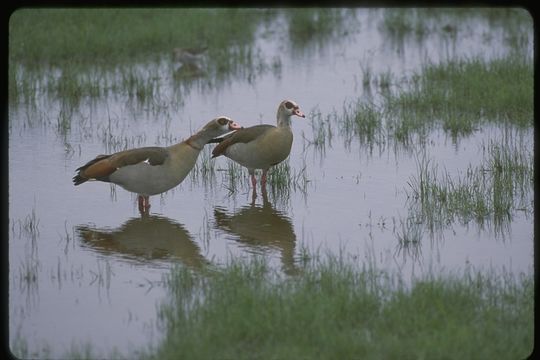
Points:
(339, 309)
(107, 36)
(76, 53)
(336, 308)
(73, 54)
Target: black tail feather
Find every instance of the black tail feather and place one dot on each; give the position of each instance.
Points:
(79, 179)
(215, 140)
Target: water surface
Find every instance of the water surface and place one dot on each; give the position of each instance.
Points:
(92, 269)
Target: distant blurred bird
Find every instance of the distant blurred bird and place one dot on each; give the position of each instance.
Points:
(188, 71)
(189, 55)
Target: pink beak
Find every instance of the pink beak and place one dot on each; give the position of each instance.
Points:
(234, 126)
(297, 112)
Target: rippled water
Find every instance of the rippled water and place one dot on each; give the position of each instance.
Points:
(97, 265)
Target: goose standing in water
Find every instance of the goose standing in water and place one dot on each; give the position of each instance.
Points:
(152, 170)
(261, 146)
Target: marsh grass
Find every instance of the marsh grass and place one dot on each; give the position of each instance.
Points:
(307, 25)
(29, 225)
(204, 169)
(363, 122)
(491, 192)
(20, 348)
(458, 96)
(73, 52)
(398, 23)
(419, 23)
(58, 37)
(462, 95)
(321, 129)
(337, 307)
(282, 179)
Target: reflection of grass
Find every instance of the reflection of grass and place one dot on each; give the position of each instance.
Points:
(86, 350)
(338, 308)
(402, 22)
(307, 24)
(399, 23)
(410, 234)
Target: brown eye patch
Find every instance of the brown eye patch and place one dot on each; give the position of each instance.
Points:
(223, 121)
(289, 105)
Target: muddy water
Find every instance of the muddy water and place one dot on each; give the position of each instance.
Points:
(91, 270)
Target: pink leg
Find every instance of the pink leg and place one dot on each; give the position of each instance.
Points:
(140, 200)
(254, 185)
(263, 179)
(144, 204)
(253, 180)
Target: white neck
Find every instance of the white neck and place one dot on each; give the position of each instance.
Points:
(283, 120)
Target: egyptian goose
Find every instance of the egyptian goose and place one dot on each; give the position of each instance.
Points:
(261, 146)
(152, 170)
(190, 59)
(189, 55)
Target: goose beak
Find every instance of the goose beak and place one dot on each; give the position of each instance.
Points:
(297, 112)
(234, 126)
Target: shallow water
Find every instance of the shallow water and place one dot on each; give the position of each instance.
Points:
(93, 270)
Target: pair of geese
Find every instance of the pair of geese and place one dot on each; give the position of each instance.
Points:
(153, 170)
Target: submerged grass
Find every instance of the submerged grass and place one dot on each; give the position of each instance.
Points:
(491, 192)
(338, 308)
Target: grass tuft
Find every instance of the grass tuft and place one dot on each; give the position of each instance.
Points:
(491, 192)
(337, 307)
(465, 94)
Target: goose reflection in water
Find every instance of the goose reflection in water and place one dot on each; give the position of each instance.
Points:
(261, 228)
(145, 239)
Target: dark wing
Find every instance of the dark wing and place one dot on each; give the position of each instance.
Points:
(154, 155)
(104, 165)
(244, 135)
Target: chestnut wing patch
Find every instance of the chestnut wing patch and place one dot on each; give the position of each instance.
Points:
(104, 165)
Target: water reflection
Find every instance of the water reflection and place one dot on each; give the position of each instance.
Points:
(145, 239)
(261, 228)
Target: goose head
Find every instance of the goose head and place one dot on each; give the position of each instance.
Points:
(219, 126)
(286, 109)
